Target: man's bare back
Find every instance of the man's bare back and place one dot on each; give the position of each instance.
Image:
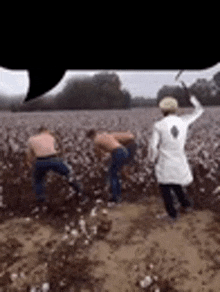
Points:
(110, 141)
(41, 145)
(115, 144)
(106, 142)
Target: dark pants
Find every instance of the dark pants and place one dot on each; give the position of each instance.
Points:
(119, 158)
(131, 148)
(42, 166)
(166, 190)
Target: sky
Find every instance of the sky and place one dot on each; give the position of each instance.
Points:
(144, 83)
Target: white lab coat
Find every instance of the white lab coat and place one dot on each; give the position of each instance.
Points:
(166, 147)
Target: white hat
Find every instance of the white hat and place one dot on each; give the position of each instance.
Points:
(168, 103)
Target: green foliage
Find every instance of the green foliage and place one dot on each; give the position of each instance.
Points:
(102, 91)
(174, 91)
(143, 102)
(206, 91)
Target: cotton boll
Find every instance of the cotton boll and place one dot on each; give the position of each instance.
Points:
(216, 191)
(65, 237)
(82, 224)
(93, 212)
(14, 276)
(45, 287)
(74, 233)
(67, 228)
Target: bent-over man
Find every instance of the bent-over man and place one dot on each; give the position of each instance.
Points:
(121, 147)
(167, 153)
(42, 152)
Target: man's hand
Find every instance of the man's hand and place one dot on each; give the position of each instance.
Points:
(100, 154)
(126, 172)
(27, 162)
(194, 101)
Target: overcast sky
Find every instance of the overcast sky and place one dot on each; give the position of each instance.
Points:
(144, 83)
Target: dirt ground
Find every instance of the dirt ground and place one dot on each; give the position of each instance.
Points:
(184, 256)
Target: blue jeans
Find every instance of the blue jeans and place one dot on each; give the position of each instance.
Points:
(131, 148)
(42, 166)
(119, 158)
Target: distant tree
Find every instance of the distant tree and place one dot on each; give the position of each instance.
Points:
(216, 79)
(103, 78)
(143, 102)
(201, 88)
(102, 91)
(127, 99)
(206, 91)
(175, 91)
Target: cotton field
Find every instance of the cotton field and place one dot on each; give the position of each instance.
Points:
(203, 150)
(77, 225)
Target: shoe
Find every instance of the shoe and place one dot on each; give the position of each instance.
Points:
(167, 218)
(186, 209)
(112, 200)
(119, 200)
(111, 204)
(115, 201)
(172, 220)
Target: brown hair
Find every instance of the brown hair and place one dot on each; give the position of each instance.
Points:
(91, 133)
(42, 128)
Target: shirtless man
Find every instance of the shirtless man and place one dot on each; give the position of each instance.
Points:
(115, 144)
(42, 152)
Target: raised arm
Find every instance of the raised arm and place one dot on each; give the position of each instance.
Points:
(198, 110)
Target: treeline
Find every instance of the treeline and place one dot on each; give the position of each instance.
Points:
(208, 92)
(6, 103)
(143, 102)
(102, 91)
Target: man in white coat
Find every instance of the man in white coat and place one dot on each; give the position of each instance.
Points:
(167, 153)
